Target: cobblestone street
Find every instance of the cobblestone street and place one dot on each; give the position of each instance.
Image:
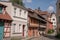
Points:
(43, 38)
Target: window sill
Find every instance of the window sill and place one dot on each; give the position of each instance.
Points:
(17, 33)
(19, 17)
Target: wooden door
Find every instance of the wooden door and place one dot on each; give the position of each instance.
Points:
(23, 30)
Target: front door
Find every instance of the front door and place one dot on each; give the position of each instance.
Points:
(1, 30)
(23, 30)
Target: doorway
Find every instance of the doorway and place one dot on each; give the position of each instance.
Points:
(23, 30)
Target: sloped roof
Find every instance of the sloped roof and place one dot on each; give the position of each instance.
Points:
(44, 13)
(41, 13)
(19, 6)
(3, 5)
(35, 15)
(5, 16)
(52, 14)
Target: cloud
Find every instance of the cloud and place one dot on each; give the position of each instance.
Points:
(23, 0)
(29, 1)
(50, 9)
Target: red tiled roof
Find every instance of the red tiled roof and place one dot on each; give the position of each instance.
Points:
(41, 13)
(44, 13)
(5, 16)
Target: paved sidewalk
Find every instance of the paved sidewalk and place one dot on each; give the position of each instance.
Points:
(29, 38)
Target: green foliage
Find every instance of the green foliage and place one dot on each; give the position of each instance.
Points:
(50, 31)
(58, 35)
(18, 2)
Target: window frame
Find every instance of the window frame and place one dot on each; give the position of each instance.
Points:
(59, 19)
(15, 11)
(20, 11)
(19, 26)
(24, 12)
(53, 19)
(14, 27)
(59, 5)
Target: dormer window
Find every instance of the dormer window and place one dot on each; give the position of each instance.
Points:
(1, 9)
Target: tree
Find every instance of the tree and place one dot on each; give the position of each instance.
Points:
(20, 2)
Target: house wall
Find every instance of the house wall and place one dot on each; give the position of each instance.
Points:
(7, 30)
(18, 31)
(53, 20)
(42, 28)
(33, 27)
(49, 24)
(17, 19)
(57, 15)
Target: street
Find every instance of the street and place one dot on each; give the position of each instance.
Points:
(43, 38)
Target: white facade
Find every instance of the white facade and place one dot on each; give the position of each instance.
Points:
(19, 16)
(53, 20)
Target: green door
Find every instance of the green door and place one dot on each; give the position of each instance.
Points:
(1, 30)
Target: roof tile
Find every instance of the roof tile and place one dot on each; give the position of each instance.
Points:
(5, 16)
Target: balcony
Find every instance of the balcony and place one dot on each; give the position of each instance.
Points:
(43, 26)
(34, 25)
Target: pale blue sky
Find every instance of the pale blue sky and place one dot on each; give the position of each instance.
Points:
(43, 4)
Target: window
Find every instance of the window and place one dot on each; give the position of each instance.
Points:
(14, 27)
(0, 9)
(19, 26)
(54, 22)
(24, 12)
(14, 11)
(31, 20)
(55, 26)
(59, 5)
(20, 11)
(59, 19)
(53, 19)
(59, 29)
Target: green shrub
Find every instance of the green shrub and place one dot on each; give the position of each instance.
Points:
(58, 35)
(50, 31)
